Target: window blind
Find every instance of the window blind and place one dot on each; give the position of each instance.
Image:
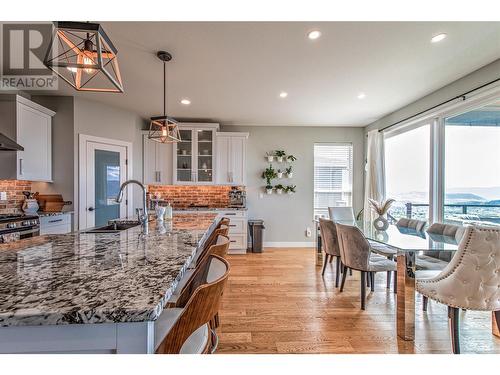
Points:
(332, 176)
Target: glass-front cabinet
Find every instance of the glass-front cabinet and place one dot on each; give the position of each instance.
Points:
(194, 156)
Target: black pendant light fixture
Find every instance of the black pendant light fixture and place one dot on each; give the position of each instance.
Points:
(164, 129)
(82, 54)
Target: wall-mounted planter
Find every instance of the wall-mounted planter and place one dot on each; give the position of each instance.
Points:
(279, 159)
(289, 175)
(280, 174)
(270, 158)
(279, 191)
(269, 191)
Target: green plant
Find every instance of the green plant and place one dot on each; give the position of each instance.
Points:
(290, 188)
(280, 153)
(279, 187)
(288, 170)
(270, 153)
(269, 174)
(269, 187)
(291, 158)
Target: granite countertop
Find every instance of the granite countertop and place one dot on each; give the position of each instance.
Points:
(82, 278)
(210, 209)
(43, 214)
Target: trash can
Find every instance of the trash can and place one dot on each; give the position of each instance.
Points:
(256, 235)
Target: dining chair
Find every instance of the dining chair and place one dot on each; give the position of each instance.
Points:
(330, 245)
(471, 281)
(448, 230)
(418, 225)
(186, 329)
(345, 214)
(355, 253)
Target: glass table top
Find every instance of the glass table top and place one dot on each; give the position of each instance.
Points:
(405, 238)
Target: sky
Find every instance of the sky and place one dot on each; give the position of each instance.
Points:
(472, 157)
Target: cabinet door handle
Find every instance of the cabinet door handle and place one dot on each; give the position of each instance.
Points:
(21, 166)
(57, 220)
(229, 213)
(232, 225)
(159, 176)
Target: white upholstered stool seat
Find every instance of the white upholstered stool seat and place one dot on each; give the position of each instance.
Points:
(197, 341)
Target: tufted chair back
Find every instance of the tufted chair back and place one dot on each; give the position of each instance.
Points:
(418, 225)
(329, 237)
(449, 230)
(472, 279)
(354, 248)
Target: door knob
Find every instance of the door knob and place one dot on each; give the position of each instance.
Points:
(90, 209)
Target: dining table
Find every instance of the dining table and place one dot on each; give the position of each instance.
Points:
(413, 248)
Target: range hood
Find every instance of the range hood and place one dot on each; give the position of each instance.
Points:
(7, 144)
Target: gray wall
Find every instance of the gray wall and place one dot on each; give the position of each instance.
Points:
(287, 217)
(464, 84)
(102, 120)
(62, 147)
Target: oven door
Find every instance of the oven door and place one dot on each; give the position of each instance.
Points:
(29, 232)
(16, 234)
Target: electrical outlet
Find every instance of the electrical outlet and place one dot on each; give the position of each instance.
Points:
(308, 232)
(3, 195)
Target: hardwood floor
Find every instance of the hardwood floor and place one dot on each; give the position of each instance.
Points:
(277, 302)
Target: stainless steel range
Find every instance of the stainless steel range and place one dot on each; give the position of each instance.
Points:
(18, 226)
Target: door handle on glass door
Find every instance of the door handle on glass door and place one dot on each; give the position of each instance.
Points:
(90, 209)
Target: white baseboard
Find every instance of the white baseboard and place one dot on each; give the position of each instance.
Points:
(289, 244)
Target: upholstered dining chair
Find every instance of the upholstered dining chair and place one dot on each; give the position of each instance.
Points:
(418, 225)
(448, 230)
(355, 253)
(345, 214)
(330, 246)
(471, 281)
(187, 330)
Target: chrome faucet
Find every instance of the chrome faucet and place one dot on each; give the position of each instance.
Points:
(143, 218)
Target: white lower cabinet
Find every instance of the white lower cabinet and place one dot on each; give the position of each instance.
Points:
(238, 224)
(55, 224)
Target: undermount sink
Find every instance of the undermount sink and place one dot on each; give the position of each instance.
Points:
(113, 228)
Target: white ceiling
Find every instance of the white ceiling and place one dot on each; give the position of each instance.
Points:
(233, 72)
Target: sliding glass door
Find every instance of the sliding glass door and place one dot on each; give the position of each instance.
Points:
(472, 166)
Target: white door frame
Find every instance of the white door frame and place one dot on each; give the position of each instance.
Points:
(83, 139)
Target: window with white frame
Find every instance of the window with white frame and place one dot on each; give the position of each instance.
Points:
(332, 176)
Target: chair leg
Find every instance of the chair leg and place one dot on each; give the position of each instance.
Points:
(344, 275)
(324, 265)
(337, 272)
(453, 318)
(425, 301)
(368, 279)
(389, 275)
(350, 272)
(363, 289)
(372, 281)
(331, 258)
(497, 318)
(395, 282)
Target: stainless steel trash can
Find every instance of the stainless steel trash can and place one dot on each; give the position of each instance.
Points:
(256, 235)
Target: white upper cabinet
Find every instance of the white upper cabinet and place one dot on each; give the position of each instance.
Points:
(194, 155)
(30, 125)
(231, 158)
(156, 162)
(34, 133)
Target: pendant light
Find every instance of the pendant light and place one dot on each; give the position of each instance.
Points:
(82, 54)
(164, 129)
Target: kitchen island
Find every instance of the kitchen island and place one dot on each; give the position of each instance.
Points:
(97, 293)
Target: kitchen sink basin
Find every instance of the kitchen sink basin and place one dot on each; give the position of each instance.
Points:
(113, 228)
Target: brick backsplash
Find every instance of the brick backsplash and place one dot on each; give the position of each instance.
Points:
(184, 196)
(15, 197)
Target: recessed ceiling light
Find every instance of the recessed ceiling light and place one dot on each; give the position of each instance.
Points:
(186, 101)
(283, 94)
(361, 95)
(438, 38)
(314, 34)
